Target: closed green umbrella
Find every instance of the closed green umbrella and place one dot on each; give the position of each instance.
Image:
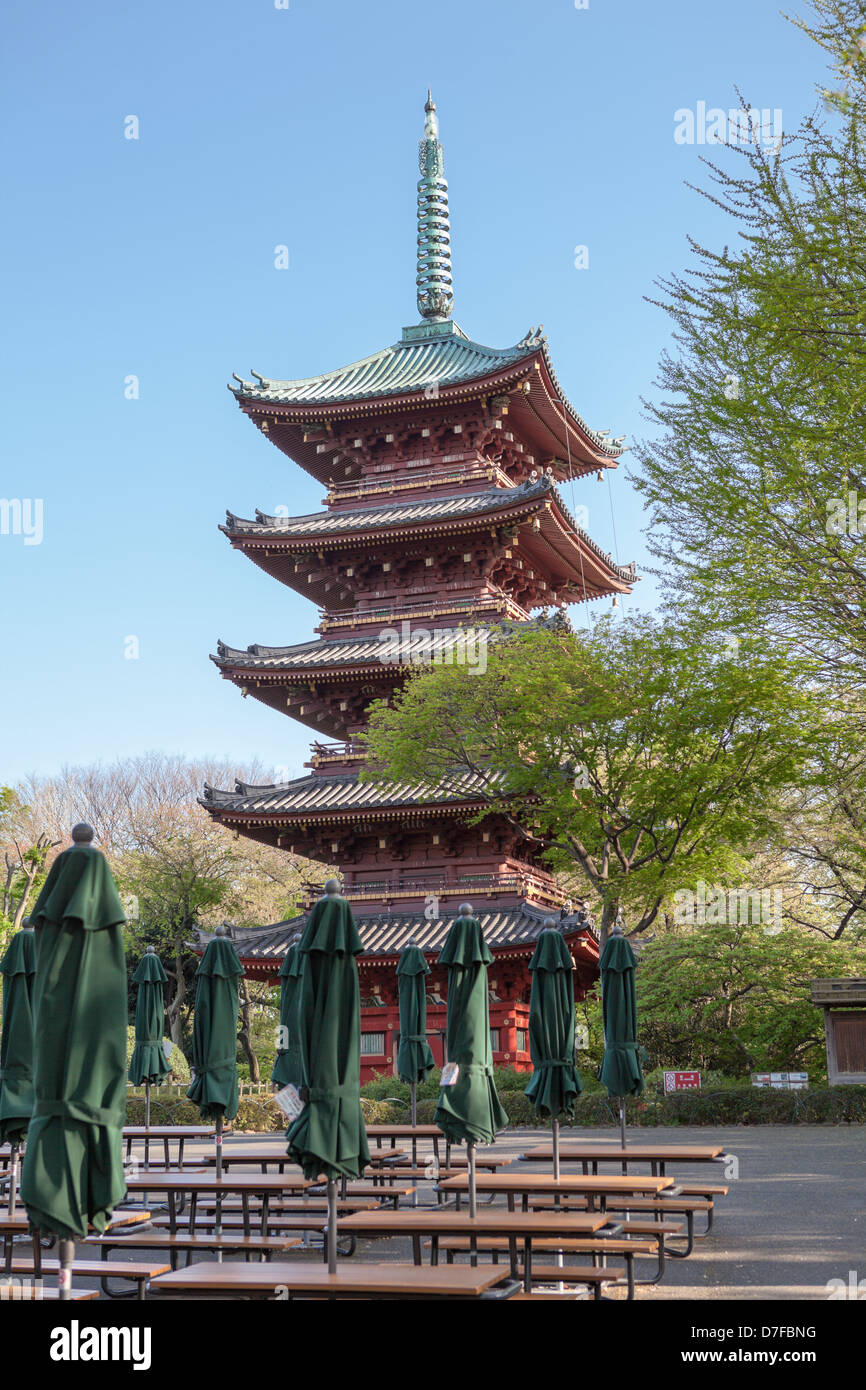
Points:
(148, 1064)
(468, 1110)
(414, 1058)
(18, 968)
(215, 1042)
(72, 1174)
(620, 1070)
(555, 1083)
(287, 1069)
(329, 1136)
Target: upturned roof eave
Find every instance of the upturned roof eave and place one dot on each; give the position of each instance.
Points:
(300, 414)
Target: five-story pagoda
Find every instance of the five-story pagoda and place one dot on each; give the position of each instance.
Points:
(444, 527)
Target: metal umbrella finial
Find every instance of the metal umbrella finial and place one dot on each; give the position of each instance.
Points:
(465, 909)
(332, 888)
(220, 931)
(82, 833)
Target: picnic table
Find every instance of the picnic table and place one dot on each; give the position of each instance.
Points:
(594, 1188)
(522, 1226)
(291, 1280)
(165, 1134)
(194, 1185)
(590, 1155)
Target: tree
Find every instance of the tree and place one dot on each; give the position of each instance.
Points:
(642, 755)
(755, 476)
(177, 869)
(25, 854)
(736, 999)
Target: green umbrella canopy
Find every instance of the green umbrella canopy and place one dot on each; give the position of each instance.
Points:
(555, 1083)
(16, 1037)
(215, 1032)
(414, 1058)
(329, 1136)
(470, 1109)
(620, 1070)
(73, 1168)
(148, 1061)
(287, 1069)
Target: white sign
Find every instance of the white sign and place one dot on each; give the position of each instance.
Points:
(167, 1045)
(289, 1102)
(450, 1073)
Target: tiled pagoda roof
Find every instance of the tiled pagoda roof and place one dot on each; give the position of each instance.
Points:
(321, 794)
(425, 645)
(431, 354)
(384, 934)
(397, 514)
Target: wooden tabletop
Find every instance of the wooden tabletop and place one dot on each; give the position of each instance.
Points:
(637, 1153)
(545, 1182)
(233, 1155)
(445, 1221)
(404, 1132)
(19, 1224)
(151, 1181)
(170, 1131)
(401, 1281)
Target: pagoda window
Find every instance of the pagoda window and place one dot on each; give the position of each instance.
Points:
(372, 1044)
(494, 1040)
(521, 1039)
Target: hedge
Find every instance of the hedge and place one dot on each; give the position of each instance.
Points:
(746, 1105)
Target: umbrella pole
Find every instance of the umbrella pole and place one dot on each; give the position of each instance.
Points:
(473, 1203)
(332, 1227)
(13, 1178)
(414, 1114)
(218, 1229)
(64, 1274)
(622, 1129)
(556, 1172)
(414, 1092)
(147, 1124)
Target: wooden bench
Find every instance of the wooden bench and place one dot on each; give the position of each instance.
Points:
(182, 1241)
(659, 1206)
(139, 1274)
(16, 1293)
(592, 1275)
(600, 1248)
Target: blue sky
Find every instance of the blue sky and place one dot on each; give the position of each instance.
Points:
(261, 126)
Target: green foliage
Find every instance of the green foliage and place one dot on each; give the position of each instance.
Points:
(760, 409)
(734, 999)
(638, 755)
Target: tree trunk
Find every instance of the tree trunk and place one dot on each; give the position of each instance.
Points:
(245, 1033)
(609, 914)
(174, 1011)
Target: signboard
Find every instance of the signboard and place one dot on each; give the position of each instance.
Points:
(289, 1102)
(682, 1081)
(782, 1080)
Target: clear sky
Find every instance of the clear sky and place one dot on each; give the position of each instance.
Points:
(261, 126)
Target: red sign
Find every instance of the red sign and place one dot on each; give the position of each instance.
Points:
(682, 1081)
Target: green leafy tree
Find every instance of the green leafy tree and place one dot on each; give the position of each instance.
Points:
(754, 477)
(641, 756)
(735, 998)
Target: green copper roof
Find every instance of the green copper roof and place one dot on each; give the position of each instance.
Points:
(440, 355)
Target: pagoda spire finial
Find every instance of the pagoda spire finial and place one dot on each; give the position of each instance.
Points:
(435, 295)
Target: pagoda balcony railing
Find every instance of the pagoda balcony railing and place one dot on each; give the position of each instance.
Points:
(408, 482)
(495, 602)
(488, 885)
(345, 751)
